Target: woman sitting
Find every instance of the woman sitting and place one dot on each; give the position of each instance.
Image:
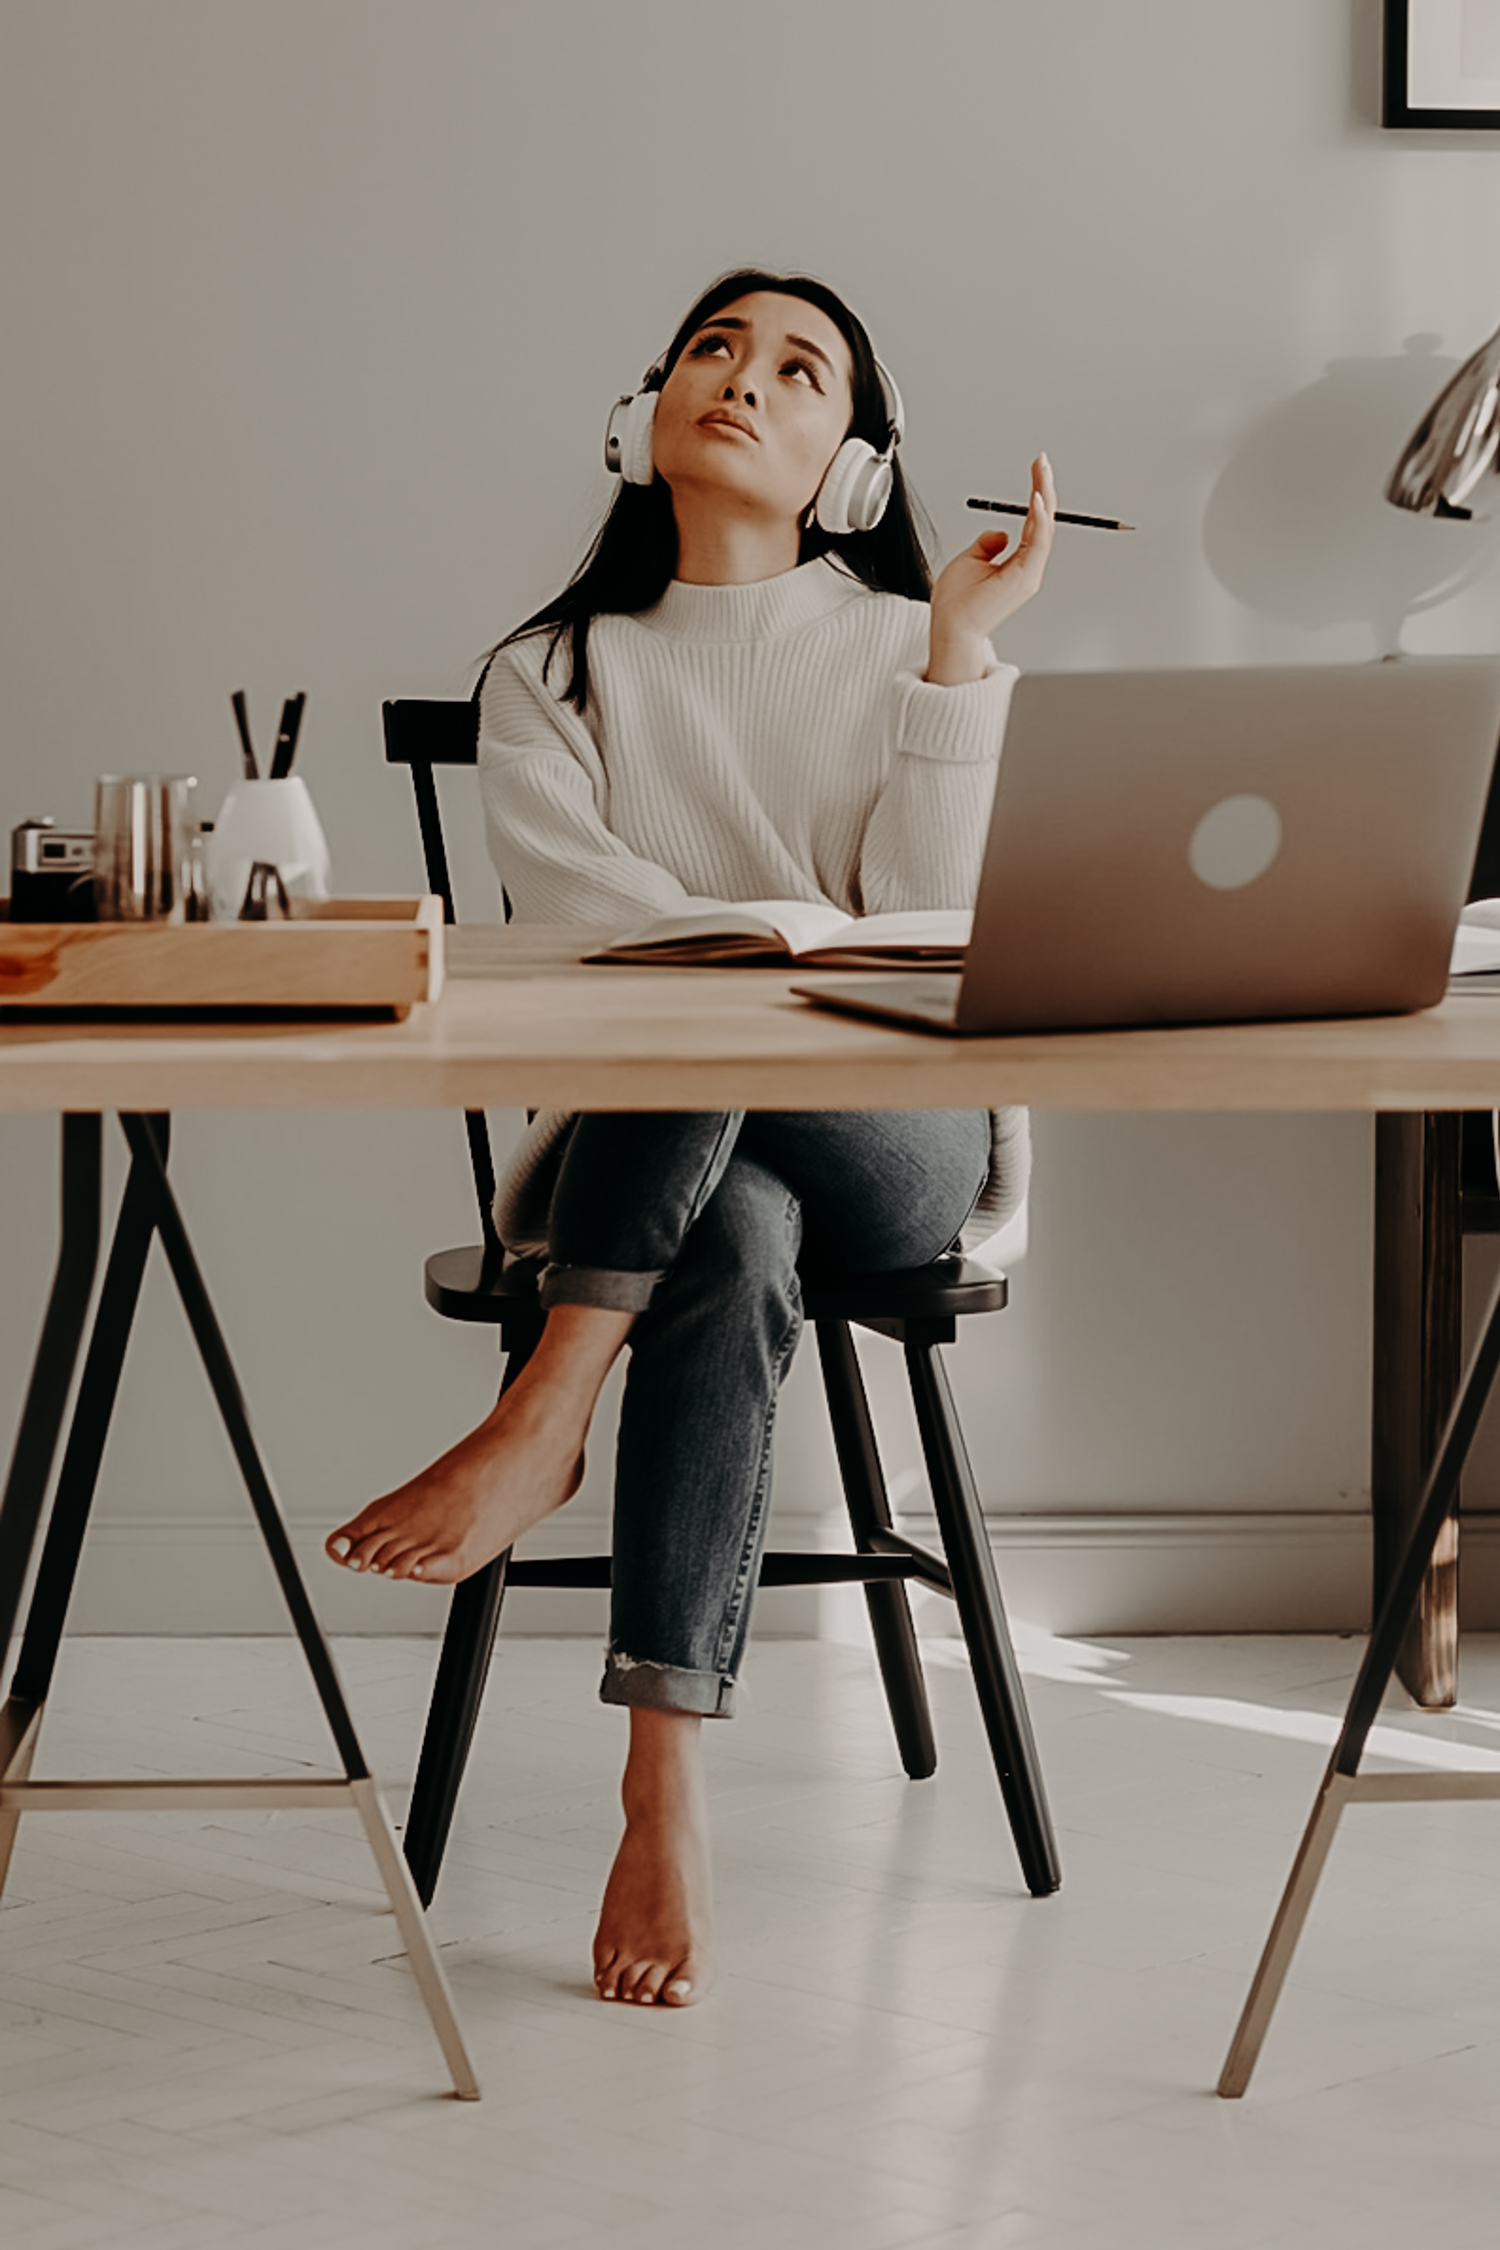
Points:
(750, 690)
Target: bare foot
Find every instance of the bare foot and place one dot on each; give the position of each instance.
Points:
(469, 1506)
(524, 1460)
(655, 1935)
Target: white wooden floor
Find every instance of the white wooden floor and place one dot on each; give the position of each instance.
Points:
(207, 2035)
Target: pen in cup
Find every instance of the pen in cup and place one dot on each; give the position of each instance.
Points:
(286, 740)
(1059, 515)
(242, 721)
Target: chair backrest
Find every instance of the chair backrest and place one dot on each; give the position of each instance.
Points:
(420, 735)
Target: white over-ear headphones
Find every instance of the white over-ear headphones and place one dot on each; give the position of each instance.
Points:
(627, 435)
(854, 491)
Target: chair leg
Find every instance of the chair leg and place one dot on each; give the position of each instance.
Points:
(1002, 1698)
(457, 1692)
(869, 1511)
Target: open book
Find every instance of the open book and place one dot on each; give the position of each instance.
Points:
(1475, 966)
(768, 931)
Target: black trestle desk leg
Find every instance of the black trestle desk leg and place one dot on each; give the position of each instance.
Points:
(79, 1476)
(457, 1692)
(56, 1357)
(1439, 1498)
(21, 1719)
(891, 1625)
(997, 1677)
(149, 1151)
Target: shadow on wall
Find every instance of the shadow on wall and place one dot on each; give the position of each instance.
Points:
(1298, 528)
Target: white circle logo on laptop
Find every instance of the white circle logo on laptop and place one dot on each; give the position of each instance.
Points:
(1234, 842)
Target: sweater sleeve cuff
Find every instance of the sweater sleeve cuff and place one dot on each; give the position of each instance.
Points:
(960, 725)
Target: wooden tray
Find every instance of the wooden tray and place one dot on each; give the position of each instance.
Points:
(334, 955)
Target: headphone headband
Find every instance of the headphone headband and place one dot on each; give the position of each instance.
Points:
(895, 412)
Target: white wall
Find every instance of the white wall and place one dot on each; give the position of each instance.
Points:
(313, 310)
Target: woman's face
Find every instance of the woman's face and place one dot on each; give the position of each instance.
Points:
(756, 407)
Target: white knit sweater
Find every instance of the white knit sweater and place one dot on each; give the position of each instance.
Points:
(775, 740)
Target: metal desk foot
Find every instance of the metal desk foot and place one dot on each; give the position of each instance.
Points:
(259, 1793)
(1343, 1783)
(412, 1923)
(20, 1727)
(1270, 1975)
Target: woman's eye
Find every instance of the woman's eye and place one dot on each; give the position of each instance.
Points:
(804, 368)
(707, 344)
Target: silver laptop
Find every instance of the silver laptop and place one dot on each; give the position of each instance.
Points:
(1218, 847)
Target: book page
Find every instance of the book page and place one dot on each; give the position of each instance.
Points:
(751, 930)
(1476, 951)
(935, 938)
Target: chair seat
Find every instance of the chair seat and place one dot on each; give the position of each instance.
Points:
(933, 1292)
(461, 1285)
(469, 1284)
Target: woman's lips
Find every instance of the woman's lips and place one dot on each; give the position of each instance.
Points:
(723, 421)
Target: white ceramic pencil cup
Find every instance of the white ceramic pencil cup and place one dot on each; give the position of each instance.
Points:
(272, 821)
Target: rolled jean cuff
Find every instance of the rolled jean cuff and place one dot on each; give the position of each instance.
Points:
(597, 1285)
(643, 1685)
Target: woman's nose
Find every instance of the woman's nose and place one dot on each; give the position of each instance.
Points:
(747, 394)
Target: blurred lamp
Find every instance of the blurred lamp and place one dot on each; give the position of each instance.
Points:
(1455, 442)
(1453, 445)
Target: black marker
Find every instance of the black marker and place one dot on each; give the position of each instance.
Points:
(286, 740)
(242, 721)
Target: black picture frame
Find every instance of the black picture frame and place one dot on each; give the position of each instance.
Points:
(1398, 111)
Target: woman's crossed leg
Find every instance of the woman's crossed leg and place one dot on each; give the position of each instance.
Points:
(707, 1295)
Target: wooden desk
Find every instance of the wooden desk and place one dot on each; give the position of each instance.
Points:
(521, 1023)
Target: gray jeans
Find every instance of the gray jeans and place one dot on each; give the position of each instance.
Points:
(696, 1223)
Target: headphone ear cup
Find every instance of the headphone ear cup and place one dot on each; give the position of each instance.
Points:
(853, 494)
(627, 438)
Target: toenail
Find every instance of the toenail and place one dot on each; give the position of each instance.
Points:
(339, 1547)
(679, 1990)
(416, 1570)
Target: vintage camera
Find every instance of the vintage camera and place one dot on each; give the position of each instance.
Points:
(51, 874)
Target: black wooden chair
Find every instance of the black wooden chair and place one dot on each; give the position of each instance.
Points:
(919, 1309)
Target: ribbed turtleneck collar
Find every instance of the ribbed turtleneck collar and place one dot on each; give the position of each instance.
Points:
(751, 613)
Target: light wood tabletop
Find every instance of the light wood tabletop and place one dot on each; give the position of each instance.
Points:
(523, 1023)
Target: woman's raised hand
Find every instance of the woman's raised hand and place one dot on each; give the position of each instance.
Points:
(979, 590)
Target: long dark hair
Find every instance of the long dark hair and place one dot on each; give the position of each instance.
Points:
(634, 555)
